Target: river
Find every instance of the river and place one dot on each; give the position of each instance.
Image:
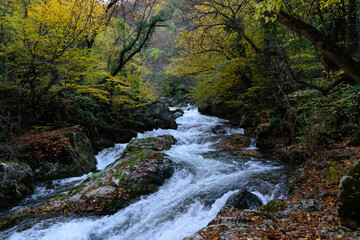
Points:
(187, 202)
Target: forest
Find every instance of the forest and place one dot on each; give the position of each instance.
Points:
(293, 63)
(289, 66)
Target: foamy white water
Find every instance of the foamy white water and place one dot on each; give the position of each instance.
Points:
(187, 202)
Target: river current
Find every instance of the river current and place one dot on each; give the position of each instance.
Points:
(187, 202)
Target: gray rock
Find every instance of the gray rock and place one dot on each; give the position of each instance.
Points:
(311, 205)
(306, 205)
(177, 113)
(244, 200)
(268, 224)
(156, 115)
(15, 182)
(159, 143)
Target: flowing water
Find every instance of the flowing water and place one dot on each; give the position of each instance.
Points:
(187, 202)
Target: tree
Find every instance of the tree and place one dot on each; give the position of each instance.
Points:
(42, 44)
(220, 49)
(323, 40)
(139, 24)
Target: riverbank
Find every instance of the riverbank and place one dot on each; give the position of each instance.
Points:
(310, 212)
(186, 202)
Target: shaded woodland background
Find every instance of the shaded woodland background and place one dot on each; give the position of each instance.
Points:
(293, 64)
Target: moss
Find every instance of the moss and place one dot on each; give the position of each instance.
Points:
(123, 163)
(272, 207)
(265, 215)
(76, 189)
(141, 154)
(132, 166)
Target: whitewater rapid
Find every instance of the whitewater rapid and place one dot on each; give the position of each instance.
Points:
(188, 201)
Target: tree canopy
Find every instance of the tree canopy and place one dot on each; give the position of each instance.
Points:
(288, 57)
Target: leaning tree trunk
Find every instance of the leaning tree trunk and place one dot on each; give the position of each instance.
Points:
(327, 47)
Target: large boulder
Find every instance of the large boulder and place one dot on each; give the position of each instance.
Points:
(244, 200)
(349, 198)
(73, 160)
(268, 136)
(156, 115)
(140, 170)
(16, 180)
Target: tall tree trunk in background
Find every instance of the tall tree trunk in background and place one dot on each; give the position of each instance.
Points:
(328, 48)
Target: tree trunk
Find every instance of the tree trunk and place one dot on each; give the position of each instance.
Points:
(327, 47)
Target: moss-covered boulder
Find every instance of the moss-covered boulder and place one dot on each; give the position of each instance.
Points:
(349, 198)
(140, 170)
(16, 180)
(159, 143)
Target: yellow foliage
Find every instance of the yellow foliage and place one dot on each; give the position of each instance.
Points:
(218, 54)
(44, 39)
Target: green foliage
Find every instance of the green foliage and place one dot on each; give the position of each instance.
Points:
(86, 108)
(177, 88)
(42, 129)
(272, 207)
(334, 174)
(326, 117)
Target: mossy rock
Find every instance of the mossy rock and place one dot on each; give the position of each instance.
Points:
(159, 143)
(273, 206)
(16, 181)
(141, 170)
(349, 198)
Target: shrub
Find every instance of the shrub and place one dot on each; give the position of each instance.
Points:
(44, 146)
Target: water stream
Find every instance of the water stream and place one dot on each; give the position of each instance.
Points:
(187, 202)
